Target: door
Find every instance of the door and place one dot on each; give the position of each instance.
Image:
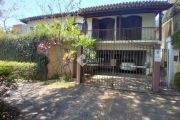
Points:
(95, 28)
(132, 26)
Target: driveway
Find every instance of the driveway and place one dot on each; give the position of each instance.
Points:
(47, 102)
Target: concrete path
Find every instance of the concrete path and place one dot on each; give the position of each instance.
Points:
(47, 102)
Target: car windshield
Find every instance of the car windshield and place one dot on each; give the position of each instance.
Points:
(128, 60)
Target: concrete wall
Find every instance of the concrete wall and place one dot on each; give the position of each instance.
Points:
(50, 21)
(20, 27)
(173, 1)
(56, 64)
(171, 64)
(169, 27)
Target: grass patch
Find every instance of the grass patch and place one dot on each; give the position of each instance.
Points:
(56, 82)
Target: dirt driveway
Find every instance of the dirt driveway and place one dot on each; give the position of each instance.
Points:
(46, 102)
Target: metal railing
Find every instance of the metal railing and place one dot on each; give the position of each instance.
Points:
(136, 33)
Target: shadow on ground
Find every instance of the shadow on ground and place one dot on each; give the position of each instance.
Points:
(86, 103)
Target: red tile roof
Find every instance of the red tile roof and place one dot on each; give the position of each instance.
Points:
(155, 5)
(125, 5)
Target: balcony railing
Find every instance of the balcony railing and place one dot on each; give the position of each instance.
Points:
(139, 33)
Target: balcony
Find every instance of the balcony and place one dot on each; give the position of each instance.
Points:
(138, 33)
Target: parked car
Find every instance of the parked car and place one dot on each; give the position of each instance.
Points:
(128, 65)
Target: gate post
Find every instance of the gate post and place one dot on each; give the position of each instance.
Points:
(156, 68)
(79, 67)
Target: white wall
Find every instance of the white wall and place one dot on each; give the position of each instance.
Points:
(50, 21)
(148, 20)
(36, 22)
(24, 28)
(171, 64)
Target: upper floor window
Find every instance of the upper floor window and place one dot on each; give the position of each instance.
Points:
(31, 28)
(131, 21)
(80, 26)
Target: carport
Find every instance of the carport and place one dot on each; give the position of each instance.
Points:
(106, 71)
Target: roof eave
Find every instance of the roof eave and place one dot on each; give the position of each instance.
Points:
(155, 9)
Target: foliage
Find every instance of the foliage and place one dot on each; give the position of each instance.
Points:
(67, 32)
(83, 41)
(88, 46)
(6, 79)
(33, 45)
(2, 32)
(67, 58)
(171, 12)
(176, 39)
(19, 70)
(9, 12)
(23, 48)
(64, 78)
(177, 80)
(14, 31)
(6, 76)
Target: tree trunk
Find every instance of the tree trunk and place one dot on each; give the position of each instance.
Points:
(5, 26)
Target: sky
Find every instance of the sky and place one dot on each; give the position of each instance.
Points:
(29, 8)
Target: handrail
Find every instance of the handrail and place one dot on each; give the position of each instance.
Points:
(135, 33)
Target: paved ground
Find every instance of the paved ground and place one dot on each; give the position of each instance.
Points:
(39, 102)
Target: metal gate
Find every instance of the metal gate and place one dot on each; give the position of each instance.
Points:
(119, 64)
(163, 68)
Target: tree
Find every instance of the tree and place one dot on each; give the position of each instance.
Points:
(57, 6)
(9, 13)
(1, 2)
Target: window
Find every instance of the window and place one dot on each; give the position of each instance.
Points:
(80, 26)
(31, 28)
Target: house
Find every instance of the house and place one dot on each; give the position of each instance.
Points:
(126, 30)
(20, 27)
(171, 24)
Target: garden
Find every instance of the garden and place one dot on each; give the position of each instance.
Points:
(28, 56)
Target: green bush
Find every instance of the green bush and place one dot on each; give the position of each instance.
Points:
(6, 76)
(64, 78)
(6, 79)
(176, 39)
(20, 70)
(177, 80)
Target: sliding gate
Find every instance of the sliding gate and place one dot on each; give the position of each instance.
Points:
(119, 64)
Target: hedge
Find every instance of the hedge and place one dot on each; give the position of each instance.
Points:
(22, 70)
(177, 80)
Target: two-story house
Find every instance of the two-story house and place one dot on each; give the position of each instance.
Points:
(126, 31)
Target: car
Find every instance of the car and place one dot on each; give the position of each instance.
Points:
(128, 65)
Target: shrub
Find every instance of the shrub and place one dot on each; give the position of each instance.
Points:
(64, 78)
(6, 79)
(20, 70)
(6, 76)
(177, 80)
(176, 39)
